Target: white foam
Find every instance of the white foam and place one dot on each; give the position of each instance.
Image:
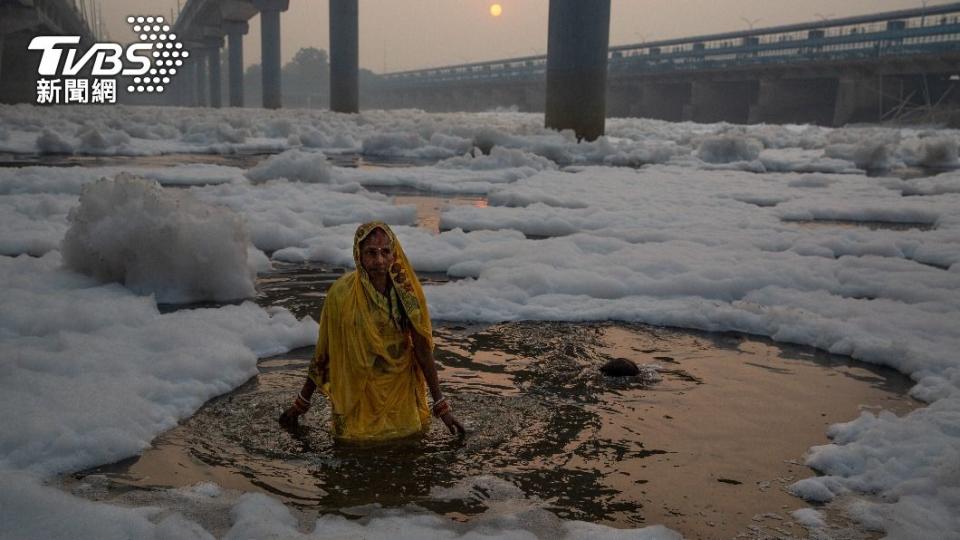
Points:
(809, 518)
(94, 372)
(294, 165)
(158, 242)
(728, 149)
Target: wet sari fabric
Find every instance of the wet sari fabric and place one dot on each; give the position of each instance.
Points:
(364, 360)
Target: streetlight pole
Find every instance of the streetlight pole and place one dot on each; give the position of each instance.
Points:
(750, 22)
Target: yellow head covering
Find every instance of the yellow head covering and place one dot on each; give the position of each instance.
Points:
(403, 278)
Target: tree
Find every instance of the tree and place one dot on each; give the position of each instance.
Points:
(306, 79)
(253, 86)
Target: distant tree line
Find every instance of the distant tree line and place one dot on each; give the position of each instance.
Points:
(305, 81)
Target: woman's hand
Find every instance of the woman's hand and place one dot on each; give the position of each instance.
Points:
(454, 425)
(289, 419)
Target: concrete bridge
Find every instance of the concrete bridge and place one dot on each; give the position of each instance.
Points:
(207, 25)
(20, 21)
(829, 72)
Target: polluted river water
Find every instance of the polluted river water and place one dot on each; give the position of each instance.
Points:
(704, 441)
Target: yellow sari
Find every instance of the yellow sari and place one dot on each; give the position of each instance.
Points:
(364, 360)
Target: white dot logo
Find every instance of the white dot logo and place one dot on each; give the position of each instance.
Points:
(154, 31)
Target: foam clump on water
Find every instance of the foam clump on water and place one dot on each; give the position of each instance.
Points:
(485, 488)
(867, 155)
(729, 149)
(259, 516)
(30, 510)
(809, 518)
(158, 242)
(51, 142)
(914, 456)
(294, 165)
(102, 140)
(938, 152)
(213, 133)
(498, 158)
(95, 372)
(391, 143)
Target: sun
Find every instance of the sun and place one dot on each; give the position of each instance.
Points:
(496, 10)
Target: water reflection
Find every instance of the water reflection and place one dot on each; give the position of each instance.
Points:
(722, 429)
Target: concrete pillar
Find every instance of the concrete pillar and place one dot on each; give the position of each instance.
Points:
(20, 69)
(200, 68)
(623, 99)
(577, 42)
(190, 82)
(270, 50)
(721, 101)
(235, 31)
(213, 66)
(859, 99)
(534, 97)
(664, 101)
(344, 56)
(795, 101)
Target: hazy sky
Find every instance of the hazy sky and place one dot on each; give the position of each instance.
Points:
(408, 34)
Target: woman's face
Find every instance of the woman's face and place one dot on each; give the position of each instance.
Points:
(376, 254)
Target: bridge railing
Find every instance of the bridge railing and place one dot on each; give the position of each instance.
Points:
(931, 30)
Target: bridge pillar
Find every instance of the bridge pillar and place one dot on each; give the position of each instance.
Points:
(721, 101)
(795, 101)
(193, 84)
(20, 68)
(235, 31)
(534, 98)
(213, 66)
(344, 56)
(664, 101)
(859, 99)
(577, 41)
(200, 70)
(623, 100)
(270, 50)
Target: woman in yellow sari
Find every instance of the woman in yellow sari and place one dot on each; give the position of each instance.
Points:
(374, 356)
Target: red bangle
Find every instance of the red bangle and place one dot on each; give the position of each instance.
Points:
(441, 407)
(301, 405)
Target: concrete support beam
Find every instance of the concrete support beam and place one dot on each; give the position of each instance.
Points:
(623, 100)
(235, 31)
(577, 43)
(795, 101)
(664, 101)
(270, 50)
(859, 99)
(190, 84)
(20, 69)
(213, 66)
(200, 68)
(721, 101)
(534, 98)
(344, 56)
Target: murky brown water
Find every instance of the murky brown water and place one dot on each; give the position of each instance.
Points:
(705, 446)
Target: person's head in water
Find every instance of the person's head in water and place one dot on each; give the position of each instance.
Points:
(377, 254)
